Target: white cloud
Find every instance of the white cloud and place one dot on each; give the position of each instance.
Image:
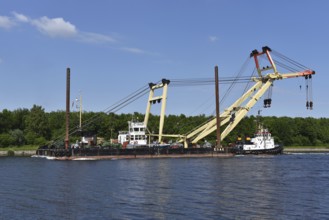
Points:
(21, 17)
(60, 28)
(6, 22)
(54, 27)
(213, 38)
(133, 50)
(95, 38)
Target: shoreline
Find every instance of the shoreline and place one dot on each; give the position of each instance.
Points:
(17, 153)
(305, 150)
(29, 153)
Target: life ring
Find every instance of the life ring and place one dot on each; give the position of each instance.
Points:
(136, 142)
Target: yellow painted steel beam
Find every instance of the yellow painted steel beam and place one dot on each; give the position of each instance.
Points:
(263, 84)
(243, 111)
(151, 99)
(163, 110)
(297, 74)
(148, 107)
(210, 126)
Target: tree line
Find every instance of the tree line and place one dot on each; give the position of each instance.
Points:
(36, 127)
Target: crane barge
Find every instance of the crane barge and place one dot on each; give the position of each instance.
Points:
(239, 109)
(230, 117)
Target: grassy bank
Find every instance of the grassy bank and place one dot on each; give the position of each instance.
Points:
(20, 148)
(22, 151)
(307, 147)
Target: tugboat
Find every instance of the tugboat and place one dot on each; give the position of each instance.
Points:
(134, 137)
(262, 143)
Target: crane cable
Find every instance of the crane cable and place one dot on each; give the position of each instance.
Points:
(293, 66)
(233, 80)
(113, 108)
(296, 68)
(309, 95)
(289, 60)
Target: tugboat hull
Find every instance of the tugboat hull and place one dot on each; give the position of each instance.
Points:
(273, 151)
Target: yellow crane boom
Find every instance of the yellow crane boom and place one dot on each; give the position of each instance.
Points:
(238, 110)
(235, 113)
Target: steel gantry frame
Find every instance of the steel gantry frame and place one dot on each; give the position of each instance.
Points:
(157, 99)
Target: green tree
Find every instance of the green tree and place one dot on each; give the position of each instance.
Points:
(37, 124)
(6, 120)
(6, 140)
(18, 118)
(18, 137)
(56, 122)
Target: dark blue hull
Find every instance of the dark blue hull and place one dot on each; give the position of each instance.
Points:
(273, 151)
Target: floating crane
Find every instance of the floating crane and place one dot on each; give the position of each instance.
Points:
(239, 109)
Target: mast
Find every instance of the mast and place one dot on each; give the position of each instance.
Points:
(80, 109)
(218, 144)
(67, 108)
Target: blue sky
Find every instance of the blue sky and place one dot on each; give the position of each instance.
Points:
(115, 47)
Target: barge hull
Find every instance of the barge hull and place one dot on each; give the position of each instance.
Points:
(98, 154)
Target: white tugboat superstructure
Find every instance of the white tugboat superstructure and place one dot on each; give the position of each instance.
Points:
(261, 143)
(135, 136)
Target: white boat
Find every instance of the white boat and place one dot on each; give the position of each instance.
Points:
(261, 143)
(134, 137)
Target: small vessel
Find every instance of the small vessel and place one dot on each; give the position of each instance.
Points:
(261, 143)
(134, 137)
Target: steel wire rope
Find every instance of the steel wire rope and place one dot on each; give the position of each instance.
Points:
(93, 119)
(295, 66)
(290, 60)
(311, 90)
(308, 79)
(227, 80)
(307, 91)
(222, 100)
(243, 68)
(126, 101)
(113, 108)
(280, 62)
(248, 80)
(204, 81)
(128, 97)
(285, 66)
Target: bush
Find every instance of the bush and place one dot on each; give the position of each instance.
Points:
(30, 137)
(11, 153)
(18, 137)
(40, 141)
(6, 140)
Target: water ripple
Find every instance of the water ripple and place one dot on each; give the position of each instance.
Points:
(280, 187)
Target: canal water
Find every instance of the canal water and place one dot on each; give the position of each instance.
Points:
(294, 186)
